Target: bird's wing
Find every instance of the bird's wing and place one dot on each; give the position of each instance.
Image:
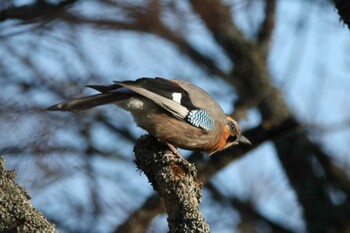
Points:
(173, 98)
(166, 93)
(164, 87)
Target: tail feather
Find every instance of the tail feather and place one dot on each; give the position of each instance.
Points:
(84, 103)
(104, 88)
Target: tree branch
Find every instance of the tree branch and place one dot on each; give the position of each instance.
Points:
(343, 7)
(246, 210)
(175, 181)
(33, 12)
(16, 212)
(158, 28)
(138, 221)
(250, 76)
(267, 26)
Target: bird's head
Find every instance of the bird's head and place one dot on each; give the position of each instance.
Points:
(235, 133)
(231, 135)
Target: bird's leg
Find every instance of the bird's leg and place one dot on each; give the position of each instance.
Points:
(175, 151)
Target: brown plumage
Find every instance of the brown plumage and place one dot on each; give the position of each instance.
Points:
(176, 112)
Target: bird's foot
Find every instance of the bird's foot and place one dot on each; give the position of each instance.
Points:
(175, 151)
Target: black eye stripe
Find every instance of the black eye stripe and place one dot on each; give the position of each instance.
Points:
(231, 138)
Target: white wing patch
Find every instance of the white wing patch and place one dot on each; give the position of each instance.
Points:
(172, 106)
(177, 97)
(134, 104)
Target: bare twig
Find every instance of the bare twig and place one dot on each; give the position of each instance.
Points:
(267, 27)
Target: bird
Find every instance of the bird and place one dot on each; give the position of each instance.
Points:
(176, 112)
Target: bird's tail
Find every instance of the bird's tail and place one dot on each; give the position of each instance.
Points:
(87, 102)
(109, 94)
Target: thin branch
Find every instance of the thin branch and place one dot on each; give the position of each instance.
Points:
(251, 76)
(335, 175)
(32, 12)
(139, 221)
(246, 209)
(267, 27)
(157, 28)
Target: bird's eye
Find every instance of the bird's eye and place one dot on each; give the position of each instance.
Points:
(231, 125)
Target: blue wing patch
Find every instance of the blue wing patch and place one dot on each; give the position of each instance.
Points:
(200, 118)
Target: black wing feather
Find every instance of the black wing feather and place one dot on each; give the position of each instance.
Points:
(104, 88)
(164, 87)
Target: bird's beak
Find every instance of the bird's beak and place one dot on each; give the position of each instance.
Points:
(244, 140)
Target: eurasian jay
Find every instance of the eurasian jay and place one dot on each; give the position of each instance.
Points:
(176, 112)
